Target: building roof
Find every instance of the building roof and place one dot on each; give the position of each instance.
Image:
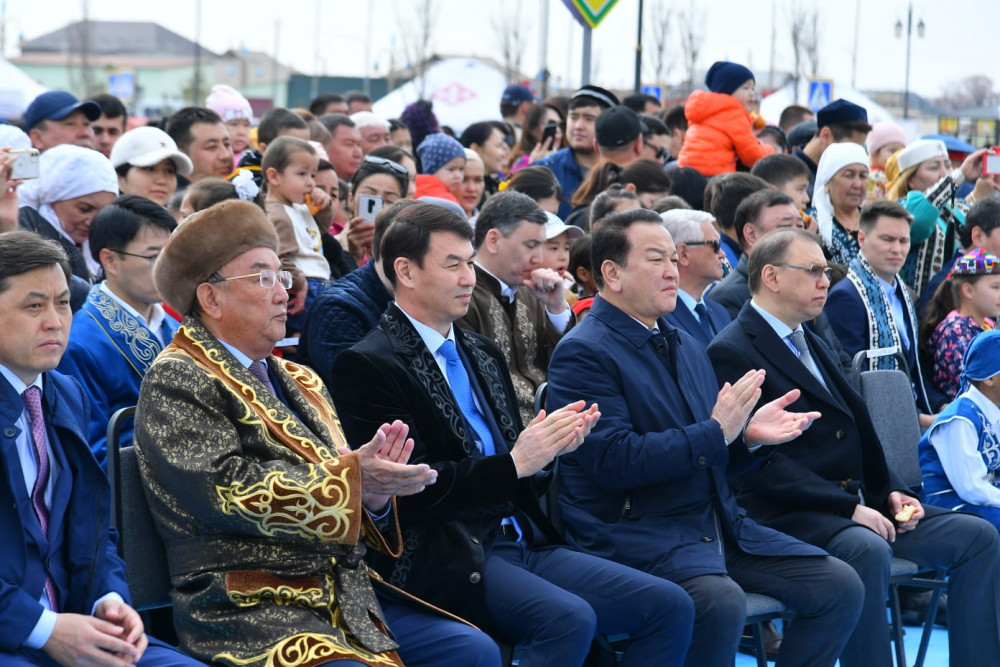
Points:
(115, 37)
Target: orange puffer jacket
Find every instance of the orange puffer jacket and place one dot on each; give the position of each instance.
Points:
(719, 132)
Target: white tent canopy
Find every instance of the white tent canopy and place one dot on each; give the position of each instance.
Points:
(17, 89)
(772, 105)
(464, 91)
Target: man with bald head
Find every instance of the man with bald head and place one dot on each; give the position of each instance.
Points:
(265, 510)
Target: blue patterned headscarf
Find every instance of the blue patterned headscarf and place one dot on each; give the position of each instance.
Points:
(437, 150)
(982, 357)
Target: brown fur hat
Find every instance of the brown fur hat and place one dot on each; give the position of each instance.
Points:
(203, 243)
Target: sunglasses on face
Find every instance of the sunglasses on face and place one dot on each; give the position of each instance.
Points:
(714, 244)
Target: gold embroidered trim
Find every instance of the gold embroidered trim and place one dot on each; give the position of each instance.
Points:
(317, 509)
(214, 362)
(308, 649)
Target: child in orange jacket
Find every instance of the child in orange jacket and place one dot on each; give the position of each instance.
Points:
(720, 130)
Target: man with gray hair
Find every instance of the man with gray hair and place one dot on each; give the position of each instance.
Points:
(517, 303)
(699, 264)
(266, 511)
(374, 130)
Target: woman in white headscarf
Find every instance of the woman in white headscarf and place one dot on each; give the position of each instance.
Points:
(73, 184)
(923, 181)
(841, 187)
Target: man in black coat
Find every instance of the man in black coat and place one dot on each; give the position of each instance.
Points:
(831, 486)
(477, 543)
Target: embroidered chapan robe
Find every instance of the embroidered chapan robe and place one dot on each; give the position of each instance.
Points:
(109, 352)
(260, 513)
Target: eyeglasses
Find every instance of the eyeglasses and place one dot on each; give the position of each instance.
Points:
(268, 278)
(816, 271)
(151, 258)
(661, 153)
(714, 244)
(388, 164)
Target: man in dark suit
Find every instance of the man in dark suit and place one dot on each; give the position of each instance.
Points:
(477, 543)
(758, 214)
(699, 264)
(872, 307)
(63, 596)
(831, 486)
(649, 486)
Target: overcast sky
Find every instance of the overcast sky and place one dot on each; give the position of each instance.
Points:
(957, 43)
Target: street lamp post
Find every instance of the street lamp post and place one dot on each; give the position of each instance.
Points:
(909, 40)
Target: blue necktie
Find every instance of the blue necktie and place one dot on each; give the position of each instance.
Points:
(706, 323)
(459, 381)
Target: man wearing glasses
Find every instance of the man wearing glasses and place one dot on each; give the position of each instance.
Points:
(122, 326)
(831, 486)
(265, 510)
(699, 265)
(648, 487)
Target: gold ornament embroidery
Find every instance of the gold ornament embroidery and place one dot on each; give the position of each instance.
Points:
(306, 649)
(318, 509)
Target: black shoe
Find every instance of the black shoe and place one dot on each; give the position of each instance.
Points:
(914, 602)
(772, 642)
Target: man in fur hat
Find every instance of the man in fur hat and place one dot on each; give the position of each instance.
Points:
(264, 508)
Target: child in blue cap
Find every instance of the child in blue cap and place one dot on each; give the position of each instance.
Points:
(720, 129)
(960, 452)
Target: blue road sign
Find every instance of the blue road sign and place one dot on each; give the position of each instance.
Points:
(820, 92)
(655, 91)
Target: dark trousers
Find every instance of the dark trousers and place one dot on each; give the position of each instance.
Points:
(430, 640)
(824, 593)
(967, 547)
(157, 654)
(551, 602)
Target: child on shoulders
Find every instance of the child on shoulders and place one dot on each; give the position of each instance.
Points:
(720, 129)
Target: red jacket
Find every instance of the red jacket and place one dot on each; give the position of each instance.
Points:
(429, 185)
(719, 132)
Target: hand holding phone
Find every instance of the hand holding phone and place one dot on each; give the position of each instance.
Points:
(25, 164)
(991, 161)
(549, 135)
(369, 206)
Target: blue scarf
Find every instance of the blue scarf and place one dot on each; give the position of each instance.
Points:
(882, 331)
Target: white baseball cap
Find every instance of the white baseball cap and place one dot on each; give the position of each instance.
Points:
(554, 226)
(146, 146)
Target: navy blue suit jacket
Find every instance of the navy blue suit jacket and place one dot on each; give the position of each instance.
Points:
(849, 319)
(648, 487)
(684, 319)
(80, 551)
(808, 488)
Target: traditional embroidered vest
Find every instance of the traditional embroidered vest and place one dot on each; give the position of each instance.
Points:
(936, 485)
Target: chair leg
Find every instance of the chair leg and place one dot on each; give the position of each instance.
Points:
(757, 629)
(897, 626)
(925, 636)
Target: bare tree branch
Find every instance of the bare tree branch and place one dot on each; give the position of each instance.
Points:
(416, 36)
(510, 31)
(972, 91)
(812, 43)
(692, 39)
(797, 28)
(660, 19)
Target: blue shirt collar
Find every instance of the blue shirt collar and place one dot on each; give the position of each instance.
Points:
(780, 328)
(432, 339)
(688, 300)
(240, 357)
(17, 383)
